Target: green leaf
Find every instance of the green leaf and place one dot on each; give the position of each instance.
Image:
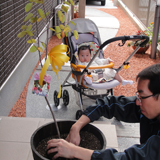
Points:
(31, 0)
(67, 3)
(65, 8)
(61, 26)
(43, 44)
(39, 1)
(76, 36)
(21, 34)
(33, 48)
(66, 34)
(58, 35)
(31, 41)
(41, 13)
(28, 17)
(33, 19)
(29, 27)
(30, 33)
(52, 29)
(58, 29)
(60, 15)
(67, 29)
(24, 27)
(72, 22)
(48, 13)
(39, 19)
(63, 19)
(72, 3)
(40, 49)
(28, 7)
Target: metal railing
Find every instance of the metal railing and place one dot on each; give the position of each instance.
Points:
(12, 49)
(143, 9)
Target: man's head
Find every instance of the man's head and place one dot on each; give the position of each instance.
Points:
(148, 90)
(84, 53)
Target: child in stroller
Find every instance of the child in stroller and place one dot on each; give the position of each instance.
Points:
(84, 57)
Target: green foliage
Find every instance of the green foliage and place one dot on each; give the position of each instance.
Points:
(28, 7)
(148, 32)
(26, 30)
(21, 34)
(65, 8)
(72, 2)
(33, 19)
(43, 44)
(29, 16)
(31, 41)
(33, 48)
(41, 13)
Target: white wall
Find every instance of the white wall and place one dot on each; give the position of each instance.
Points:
(13, 88)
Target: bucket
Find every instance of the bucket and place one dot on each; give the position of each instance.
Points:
(49, 130)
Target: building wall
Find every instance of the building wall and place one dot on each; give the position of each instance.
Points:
(16, 62)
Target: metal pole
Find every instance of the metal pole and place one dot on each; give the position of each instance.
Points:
(148, 12)
(155, 30)
(82, 4)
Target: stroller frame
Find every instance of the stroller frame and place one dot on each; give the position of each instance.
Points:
(78, 86)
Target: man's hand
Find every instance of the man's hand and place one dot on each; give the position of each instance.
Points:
(73, 136)
(68, 150)
(62, 147)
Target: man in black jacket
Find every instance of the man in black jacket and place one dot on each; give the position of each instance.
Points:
(143, 108)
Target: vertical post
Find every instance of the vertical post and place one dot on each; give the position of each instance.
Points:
(82, 4)
(148, 12)
(72, 12)
(155, 31)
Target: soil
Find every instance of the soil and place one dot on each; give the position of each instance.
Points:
(117, 54)
(88, 140)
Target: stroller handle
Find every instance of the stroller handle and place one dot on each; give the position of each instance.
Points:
(110, 65)
(126, 38)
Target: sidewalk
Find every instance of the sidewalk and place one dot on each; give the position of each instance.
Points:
(128, 134)
(15, 134)
(36, 105)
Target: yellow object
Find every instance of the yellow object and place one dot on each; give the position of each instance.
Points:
(57, 59)
(110, 65)
(126, 66)
(79, 67)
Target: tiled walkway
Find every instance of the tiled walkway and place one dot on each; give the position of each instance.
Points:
(15, 134)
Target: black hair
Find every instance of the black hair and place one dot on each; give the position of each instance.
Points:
(152, 73)
(84, 47)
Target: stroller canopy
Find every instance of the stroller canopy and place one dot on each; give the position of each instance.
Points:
(84, 25)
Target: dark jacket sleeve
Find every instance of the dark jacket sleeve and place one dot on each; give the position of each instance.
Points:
(148, 151)
(121, 107)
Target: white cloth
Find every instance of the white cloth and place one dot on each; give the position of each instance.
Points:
(108, 72)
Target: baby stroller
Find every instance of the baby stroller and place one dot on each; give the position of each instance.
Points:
(89, 34)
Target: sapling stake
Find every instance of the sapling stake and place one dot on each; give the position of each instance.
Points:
(53, 118)
(27, 31)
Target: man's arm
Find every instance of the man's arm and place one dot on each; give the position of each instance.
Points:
(74, 136)
(121, 107)
(148, 151)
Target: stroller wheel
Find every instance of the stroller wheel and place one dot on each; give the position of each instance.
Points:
(78, 114)
(65, 97)
(56, 100)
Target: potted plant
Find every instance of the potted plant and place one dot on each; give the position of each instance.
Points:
(55, 57)
(76, 10)
(148, 32)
